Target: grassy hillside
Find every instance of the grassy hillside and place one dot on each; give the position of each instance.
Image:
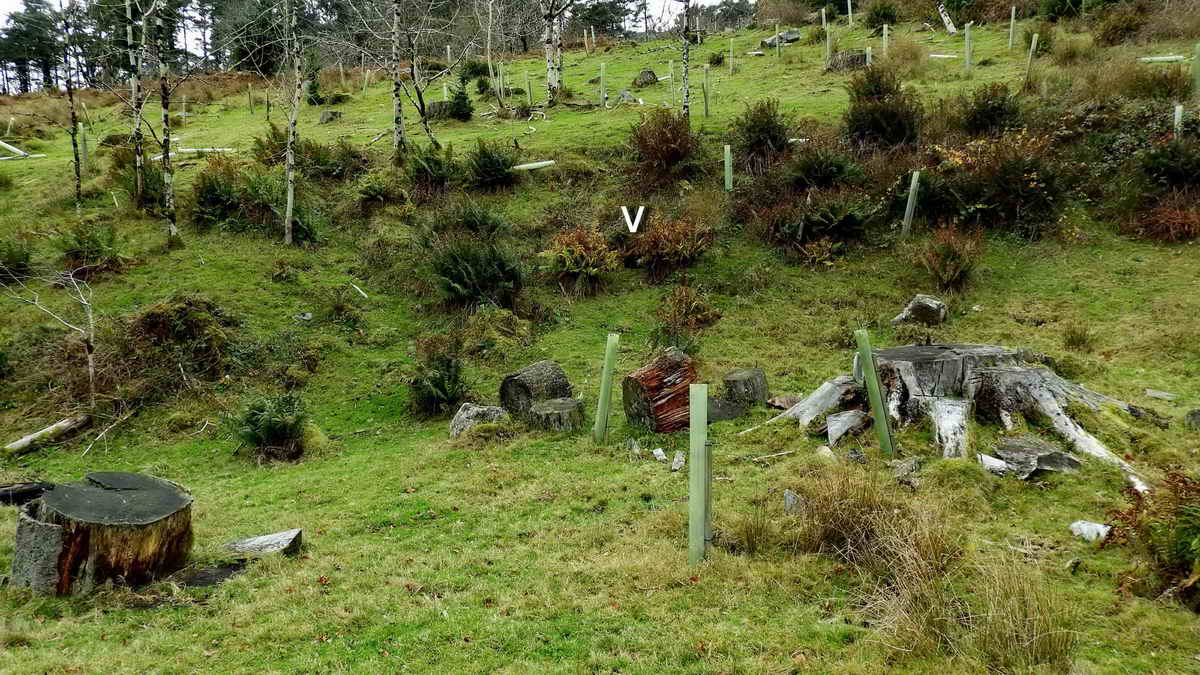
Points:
(539, 552)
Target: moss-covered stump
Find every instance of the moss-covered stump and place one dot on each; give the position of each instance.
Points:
(557, 414)
(126, 528)
(536, 382)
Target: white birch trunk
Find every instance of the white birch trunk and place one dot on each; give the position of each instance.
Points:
(294, 43)
(687, 44)
(164, 94)
(548, 23)
(135, 105)
(398, 141)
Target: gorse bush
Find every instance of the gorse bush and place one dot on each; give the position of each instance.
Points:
(833, 215)
(716, 59)
(90, 249)
(880, 14)
(16, 260)
(881, 111)
(1173, 164)
(437, 387)
(489, 166)
(951, 257)
(817, 166)
(760, 135)
(681, 314)
(1118, 24)
(273, 426)
(470, 69)
(664, 147)
(460, 107)
(669, 245)
(470, 272)
(580, 258)
(990, 109)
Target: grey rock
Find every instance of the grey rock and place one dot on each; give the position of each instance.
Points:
(624, 96)
(849, 59)
(659, 454)
(287, 542)
(824, 452)
(1192, 420)
(645, 78)
(1027, 454)
(36, 552)
(996, 466)
(906, 467)
(470, 415)
(924, 309)
(840, 425)
(1161, 395)
(304, 316)
(720, 410)
(791, 502)
(1088, 530)
(634, 449)
(678, 462)
(784, 402)
(856, 455)
(329, 116)
(786, 36)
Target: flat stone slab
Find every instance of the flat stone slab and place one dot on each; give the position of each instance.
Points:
(1026, 454)
(287, 542)
(679, 461)
(470, 415)
(1088, 530)
(840, 425)
(924, 309)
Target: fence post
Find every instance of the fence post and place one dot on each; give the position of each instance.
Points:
(706, 90)
(868, 56)
(671, 68)
(1178, 126)
(1012, 26)
(730, 56)
(778, 42)
(828, 39)
(528, 91)
(967, 48)
(603, 87)
(699, 475)
(600, 430)
(250, 97)
(728, 169)
(850, 13)
(1029, 63)
(83, 149)
(1196, 73)
(870, 375)
(911, 207)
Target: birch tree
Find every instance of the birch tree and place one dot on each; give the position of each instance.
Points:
(293, 114)
(174, 239)
(552, 12)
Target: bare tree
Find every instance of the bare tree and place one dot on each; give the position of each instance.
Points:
(174, 239)
(552, 15)
(68, 81)
(293, 113)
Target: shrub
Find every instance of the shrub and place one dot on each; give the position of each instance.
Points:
(263, 198)
(817, 166)
(881, 111)
(460, 107)
(186, 331)
(431, 170)
(881, 13)
(338, 161)
(760, 134)
(1174, 164)
(1174, 218)
(580, 257)
(716, 59)
(951, 257)
(671, 244)
(273, 426)
(6, 182)
(216, 193)
(483, 85)
(836, 216)
(494, 332)
(90, 249)
(990, 109)
(1163, 527)
(1079, 338)
(489, 166)
(122, 172)
(343, 306)
(1119, 23)
(470, 272)
(1054, 10)
(1045, 32)
(16, 258)
(472, 216)
(472, 68)
(376, 188)
(681, 314)
(437, 387)
(664, 148)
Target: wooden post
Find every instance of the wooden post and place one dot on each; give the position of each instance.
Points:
(728, 169)
(730, 56)
(1012, 26)
(850, 12)
(528, 91)
(366, 76)
(699, 475)
(1029, 63)
(83, 145)
(671, 69)
(706, 90)
(1196, 73)
(778, 42)
(600, 430)
(870, 375)
(593, 38)
(912, 204)
(342, 74)
(1178, 121)
(828, 40)
(868, 56)
(603, 87)
(250, 97)
(967, 49)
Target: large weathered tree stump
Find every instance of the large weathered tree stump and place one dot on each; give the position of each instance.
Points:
(747, 385)
(557, 414)
(536, 382)
(126, 528)
(656, 395)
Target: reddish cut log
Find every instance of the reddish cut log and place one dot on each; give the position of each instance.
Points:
(126, 528)
(656, 395)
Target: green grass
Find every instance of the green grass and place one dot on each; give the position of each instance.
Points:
(547, 553)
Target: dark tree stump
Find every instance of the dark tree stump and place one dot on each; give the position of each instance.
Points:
(656, 395)
(16, 494)
(122, 527)
(535, 382)
(747, 385)
(557, 414)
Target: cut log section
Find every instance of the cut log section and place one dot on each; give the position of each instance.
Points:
(747, 385)
(840, 392)
(557, 414)
(656, 395)
(49, 434)
(535, 382)
(16, 494)
(125, 528)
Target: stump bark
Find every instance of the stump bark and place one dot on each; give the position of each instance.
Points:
(747, 385)
(557, 414)
(536, 382)
(122, 527)
(656, 395)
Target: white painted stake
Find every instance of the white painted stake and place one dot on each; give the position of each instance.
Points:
(778, 42)
(1012, 26)
(528, 91)
(728, 169)
(868, 56)
(1029, 63)
(533, 165)
(885, 39)
(671, 67)
(730, 56)
(603, 88)
(850, 12)
(911, 207)
(828, 43)
(1178, 119)
(967, 48)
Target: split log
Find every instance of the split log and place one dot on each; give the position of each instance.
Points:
(16, 494)
(949, 417)
(839, 392)
(557, 414)
(49, 434)
(112, 526)
(535, 382)
(848, 423)
(747, 385)
(656, 395)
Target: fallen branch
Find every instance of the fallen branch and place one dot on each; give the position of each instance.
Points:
(51, 433)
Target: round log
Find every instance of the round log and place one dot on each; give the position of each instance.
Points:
(557, 414)
(535, 382)
(126, 528)
(747, 385)
(656, 395)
